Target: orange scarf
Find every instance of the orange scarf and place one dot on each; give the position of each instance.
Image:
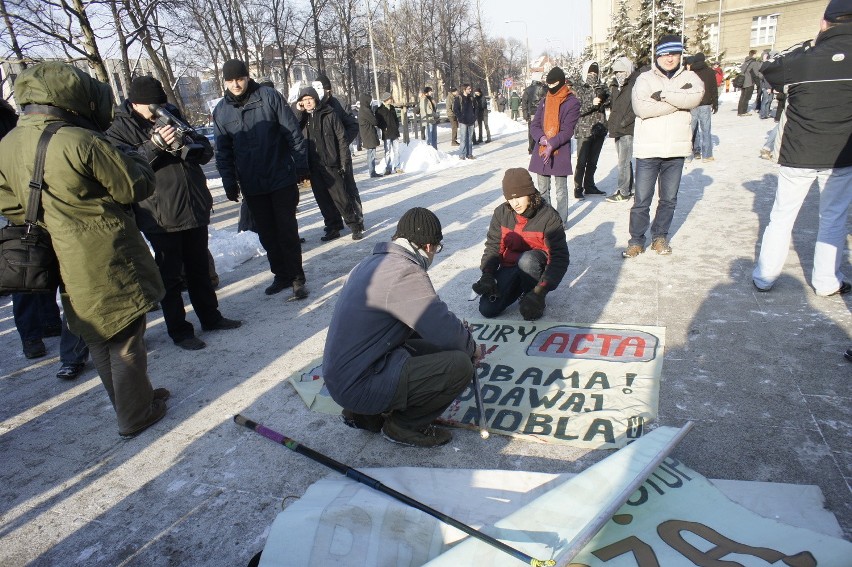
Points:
(552, 102)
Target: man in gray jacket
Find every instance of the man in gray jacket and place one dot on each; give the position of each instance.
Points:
(393, 347)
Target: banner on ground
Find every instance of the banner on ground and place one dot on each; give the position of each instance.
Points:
(590, 386)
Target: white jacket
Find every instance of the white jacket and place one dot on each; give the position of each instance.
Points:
(662, 127)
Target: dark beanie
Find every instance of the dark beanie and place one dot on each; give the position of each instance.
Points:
(668, 44)
(837, 9)
(555, 75)
(420, 226)
(234, 69)
(326, 83)
(146, 90)
(517, 182)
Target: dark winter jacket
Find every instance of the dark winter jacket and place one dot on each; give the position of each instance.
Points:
(621, 116)
(818, 127)
(708, 77)
(8, 118)
(511, 234)
(387, 121)
(592, 116)
(464, 108)
(481, 106)
(181, 199)
(109, 276)
(560, 161)
(259, 144)
(350, 124)
(324, 135)
(387, 298)
(531, 99)
(367, 123)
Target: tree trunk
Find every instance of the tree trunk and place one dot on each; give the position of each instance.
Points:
(89, 43)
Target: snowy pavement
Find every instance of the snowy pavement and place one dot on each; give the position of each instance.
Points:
(762, 375)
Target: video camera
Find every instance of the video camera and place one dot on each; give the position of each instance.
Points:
(184, 146)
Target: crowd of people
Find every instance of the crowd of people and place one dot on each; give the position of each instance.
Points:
(134, 178)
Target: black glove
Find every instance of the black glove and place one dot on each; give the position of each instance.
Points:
(715, 109)
(302, 175)
(233, 192)
(486, 286)
(687, 86)
(656, 95)
(532, 304)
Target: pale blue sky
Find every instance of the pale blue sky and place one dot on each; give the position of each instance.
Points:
(562, 24)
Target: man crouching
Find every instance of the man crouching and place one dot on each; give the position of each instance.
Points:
(393, 346)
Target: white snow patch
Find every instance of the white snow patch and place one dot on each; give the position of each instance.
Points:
(229, 250)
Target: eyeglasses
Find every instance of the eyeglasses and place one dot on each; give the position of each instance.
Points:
(439, 247)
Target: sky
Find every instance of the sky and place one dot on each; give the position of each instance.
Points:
(557, 24)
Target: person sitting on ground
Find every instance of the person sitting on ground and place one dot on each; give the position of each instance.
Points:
(393, 346)
(526, 254)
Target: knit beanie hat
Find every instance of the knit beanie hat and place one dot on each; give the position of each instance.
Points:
(555, 75)
(234, 69)
(837, 9)
(668, 44)
(517, 182)
(146, 90)
(386, 96)
(420, 226)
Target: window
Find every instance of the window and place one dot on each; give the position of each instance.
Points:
(713, 36)
(763, 30)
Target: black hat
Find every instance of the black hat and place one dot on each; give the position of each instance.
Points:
(146, 90)
(419, 226)
(517, 182)
(555, 75)
(836, 9)
(453, 89)
(234, 69)
(326, 83)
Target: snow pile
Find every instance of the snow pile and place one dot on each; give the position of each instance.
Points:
(229, 250)
(418, 156)
(499, 124)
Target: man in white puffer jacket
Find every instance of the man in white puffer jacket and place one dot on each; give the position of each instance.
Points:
(662, 137)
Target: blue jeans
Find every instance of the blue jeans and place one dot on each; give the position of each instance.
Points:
(72, 349)
(559, 200)
(514, 281)
(432, 135)
(33, 312)
(466, 135)
(702, 139)
(391, 155)
(648, 171)
(371, 160)
(766, 103)
(624, 149)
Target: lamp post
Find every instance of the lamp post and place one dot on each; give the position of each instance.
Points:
(561, 48)
(372, 49)
(527, 38)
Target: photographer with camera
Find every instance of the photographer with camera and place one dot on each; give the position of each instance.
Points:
(174, 219)
(590, 130)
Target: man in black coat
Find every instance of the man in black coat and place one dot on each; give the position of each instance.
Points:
(620, 126)
(328, 160)
(464, 108)
(389, 125)
(175, 218)
(702, 137)
(260, 153)
(481, 117)
(367, 130)
(529, 104)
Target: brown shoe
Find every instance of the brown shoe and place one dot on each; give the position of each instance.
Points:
(661, 246)
(632, 251)
(158, 411)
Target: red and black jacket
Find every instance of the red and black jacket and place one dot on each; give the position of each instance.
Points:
(511, 234)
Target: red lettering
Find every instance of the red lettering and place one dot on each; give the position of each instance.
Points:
(607, 340)
(638, 344)
(575, 345)
(560, 340)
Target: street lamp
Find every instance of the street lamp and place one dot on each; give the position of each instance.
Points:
(561, 48)
(527, 37)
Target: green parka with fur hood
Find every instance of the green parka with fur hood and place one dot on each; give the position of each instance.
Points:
(109, 276)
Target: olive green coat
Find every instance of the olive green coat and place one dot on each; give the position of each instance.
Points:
(108, 273)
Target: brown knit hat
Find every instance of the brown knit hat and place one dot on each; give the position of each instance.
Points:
(517, 183)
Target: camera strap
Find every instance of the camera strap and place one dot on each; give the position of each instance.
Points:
(34, 201)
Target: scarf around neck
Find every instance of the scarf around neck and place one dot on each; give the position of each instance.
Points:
(552, 102)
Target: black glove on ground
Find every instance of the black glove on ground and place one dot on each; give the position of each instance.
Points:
(532, 304)
(656, 95)
(233, 193)
(487, 286)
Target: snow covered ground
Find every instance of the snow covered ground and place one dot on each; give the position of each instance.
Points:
(761, 374)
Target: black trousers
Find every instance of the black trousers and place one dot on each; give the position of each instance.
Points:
(336, 202)
(745, 97)
(275, 221)
(588, 152)
(185, 250)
